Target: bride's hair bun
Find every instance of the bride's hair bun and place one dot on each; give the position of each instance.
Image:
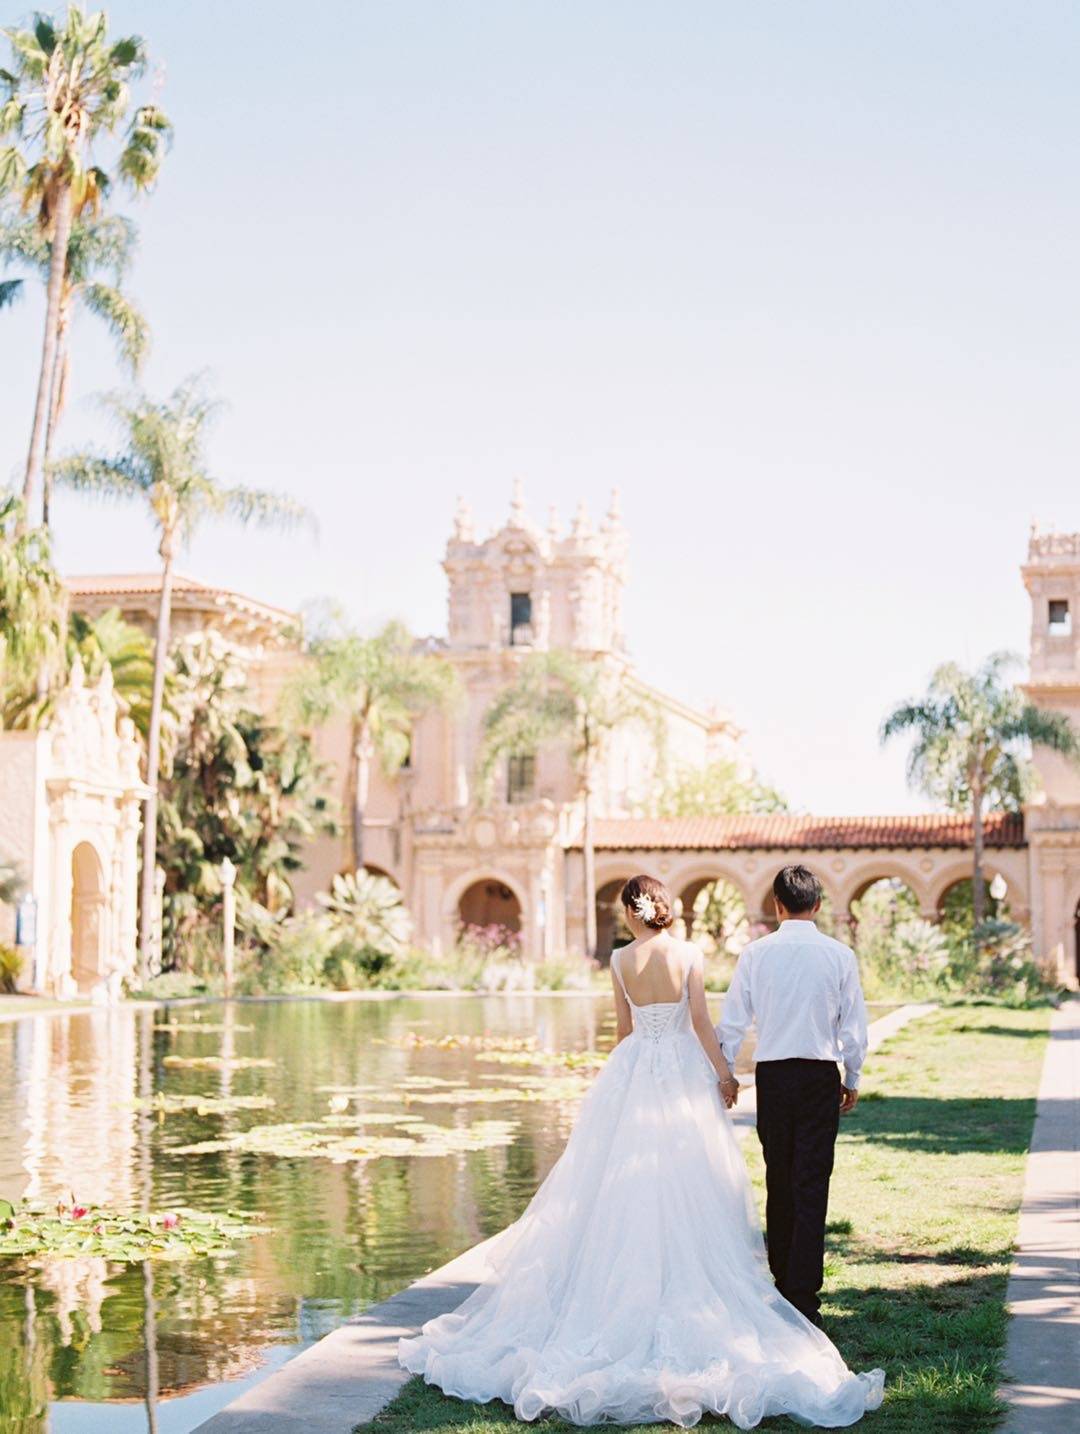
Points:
(649, 900)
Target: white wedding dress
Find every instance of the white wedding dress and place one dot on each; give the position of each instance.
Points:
(634, 1288)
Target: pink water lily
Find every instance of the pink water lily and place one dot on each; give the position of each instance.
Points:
(170, 1221)
(79, 1211)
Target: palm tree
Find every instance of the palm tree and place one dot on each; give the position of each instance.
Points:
(99, 256)
(33, 616)
(164, 466)
(580, 702)
(381, 684)
(973, 731)
(70, 87)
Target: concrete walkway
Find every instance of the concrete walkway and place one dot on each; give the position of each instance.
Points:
(350, 1375)
(1043, 1353)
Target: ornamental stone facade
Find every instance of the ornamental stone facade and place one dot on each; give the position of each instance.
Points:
(69, 824)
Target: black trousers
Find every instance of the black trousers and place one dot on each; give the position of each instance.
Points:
(798, 1113)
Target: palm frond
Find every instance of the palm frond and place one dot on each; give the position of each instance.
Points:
(125, 322)
(264, 509)
(10, 291)
(99, 476)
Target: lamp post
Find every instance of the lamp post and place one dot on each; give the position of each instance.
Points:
(227, 872)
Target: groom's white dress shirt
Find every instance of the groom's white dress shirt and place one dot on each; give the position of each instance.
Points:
(803, 990)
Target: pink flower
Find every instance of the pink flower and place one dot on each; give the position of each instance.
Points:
(78, 1211)
(170, 1222)
(99, 1228)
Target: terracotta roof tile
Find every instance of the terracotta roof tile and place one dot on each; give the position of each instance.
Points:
(138, 584)
(122, 583)
(723, 833)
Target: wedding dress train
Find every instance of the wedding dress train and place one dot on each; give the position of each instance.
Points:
(634, 1288)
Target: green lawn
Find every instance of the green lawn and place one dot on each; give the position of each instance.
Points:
(928, 1179)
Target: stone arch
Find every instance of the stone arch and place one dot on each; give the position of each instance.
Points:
(688, 882)
(958, 872)
(486, 898)
(697, 875)
(610, 928)
(859, 882)
(870, 926)
(89, 906)
(373, 869)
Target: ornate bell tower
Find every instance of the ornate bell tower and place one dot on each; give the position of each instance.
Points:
(533, 588)
(1052, 578)
(1052, 821)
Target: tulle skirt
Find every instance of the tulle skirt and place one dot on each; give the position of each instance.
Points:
(635, 1288)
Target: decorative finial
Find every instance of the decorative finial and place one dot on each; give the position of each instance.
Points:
(517, 504)
(614, 512)
(463, 522)
(582, 526)
(77, 678)
(105, 680)
(553, 523)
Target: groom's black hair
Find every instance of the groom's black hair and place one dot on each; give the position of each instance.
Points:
(797, 889)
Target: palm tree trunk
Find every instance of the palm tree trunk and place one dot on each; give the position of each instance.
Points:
(588, 852)
(978, 890)
(363, 752)
(153, 760)
(57, 399)
(57, 269)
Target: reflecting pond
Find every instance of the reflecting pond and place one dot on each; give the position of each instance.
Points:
(378, 1139)
(346, 1223)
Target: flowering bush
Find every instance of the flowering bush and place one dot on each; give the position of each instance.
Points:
(494, 941)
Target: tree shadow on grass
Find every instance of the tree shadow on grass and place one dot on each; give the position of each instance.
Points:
(944, 1126)
(1022, 1033)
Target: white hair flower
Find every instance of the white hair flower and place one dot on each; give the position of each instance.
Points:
(644, 908)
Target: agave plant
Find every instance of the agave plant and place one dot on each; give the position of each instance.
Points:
(369, 909)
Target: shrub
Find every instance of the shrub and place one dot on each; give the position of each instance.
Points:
(999, 964)
(11, 964)
(368, 911)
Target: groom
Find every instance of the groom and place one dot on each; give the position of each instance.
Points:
(802, 988)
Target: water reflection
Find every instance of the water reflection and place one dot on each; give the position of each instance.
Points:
(141, 1340)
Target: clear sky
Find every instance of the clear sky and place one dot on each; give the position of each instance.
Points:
(801, 279)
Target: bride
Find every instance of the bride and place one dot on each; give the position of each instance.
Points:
(634, 1288)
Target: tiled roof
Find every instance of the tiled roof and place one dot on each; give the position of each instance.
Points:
(147, 584)
(778, 831)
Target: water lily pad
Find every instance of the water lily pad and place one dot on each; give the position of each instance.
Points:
(532, 1087)
(453, 1041)
(163, 1104)
(329, 1139)
(199, 1026)
(70, 1231)
(218, 1063)
(568, 1060)
(474, 1095)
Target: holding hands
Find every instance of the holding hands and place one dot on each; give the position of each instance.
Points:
(729, 1091)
